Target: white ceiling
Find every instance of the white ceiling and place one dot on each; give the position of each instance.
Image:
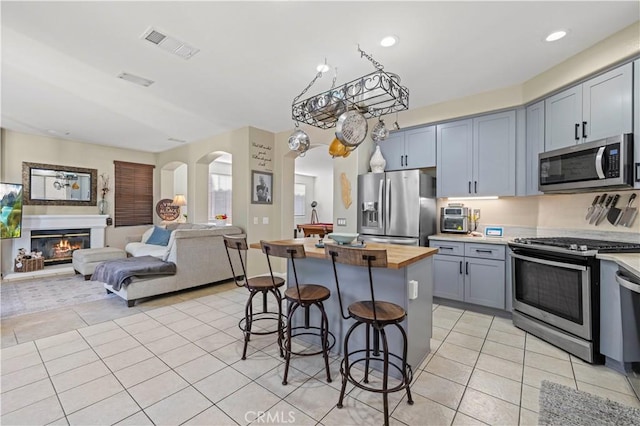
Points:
(60, 59)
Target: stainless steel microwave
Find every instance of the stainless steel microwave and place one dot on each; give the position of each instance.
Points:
(602, 164)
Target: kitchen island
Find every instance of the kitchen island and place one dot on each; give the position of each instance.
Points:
(404, 265)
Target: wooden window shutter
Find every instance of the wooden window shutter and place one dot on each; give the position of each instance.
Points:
(133, 194)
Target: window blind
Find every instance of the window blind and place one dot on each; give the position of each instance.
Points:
(133, 194)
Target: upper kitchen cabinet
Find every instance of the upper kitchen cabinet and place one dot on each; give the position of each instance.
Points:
(596, 109)
(410, 149)
(534, 145)
(476, 157)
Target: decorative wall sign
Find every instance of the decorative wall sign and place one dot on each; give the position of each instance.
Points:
(261, 187)
(166, 210)
(261, 156)
(346, 190)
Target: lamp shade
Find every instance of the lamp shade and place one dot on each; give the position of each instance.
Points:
(179, 200)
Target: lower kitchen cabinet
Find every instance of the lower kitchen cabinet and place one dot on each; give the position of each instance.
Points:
(470, 272)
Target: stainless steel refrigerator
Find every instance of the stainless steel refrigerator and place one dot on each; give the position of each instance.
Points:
(397, 207)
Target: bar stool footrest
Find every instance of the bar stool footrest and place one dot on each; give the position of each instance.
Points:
(263, 316)
(331, 340)
(407, 375)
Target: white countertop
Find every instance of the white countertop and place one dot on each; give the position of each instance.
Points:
(465, 238)
(629, 261)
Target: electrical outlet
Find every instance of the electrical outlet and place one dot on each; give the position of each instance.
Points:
(476, 214)
(342, 221)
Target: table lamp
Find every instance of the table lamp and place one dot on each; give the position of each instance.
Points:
(180, 201)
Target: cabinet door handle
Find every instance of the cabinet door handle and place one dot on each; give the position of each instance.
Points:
(466, 268)
(475, 186)
(461, 267)
(401, 160)
(576, 132)
(484, 251)
(445, 248)
(584, 129)
(469, 187)
(406, 160)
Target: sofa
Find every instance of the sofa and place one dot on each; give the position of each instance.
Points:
(198, 252)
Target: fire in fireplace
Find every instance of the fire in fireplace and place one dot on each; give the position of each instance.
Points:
(57, 245)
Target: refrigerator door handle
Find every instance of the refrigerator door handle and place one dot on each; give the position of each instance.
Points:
(387, 209)
(382, 218)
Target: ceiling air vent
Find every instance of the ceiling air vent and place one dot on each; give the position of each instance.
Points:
(169, 43)
(177, 140)
(135, 79)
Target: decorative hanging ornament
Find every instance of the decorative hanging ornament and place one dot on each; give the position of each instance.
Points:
(380, 131)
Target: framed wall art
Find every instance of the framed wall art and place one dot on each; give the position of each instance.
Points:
(261, 187)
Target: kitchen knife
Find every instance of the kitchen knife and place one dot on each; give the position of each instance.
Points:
(614, 213)
(592, 208)
(629, 212)
(604, 211)
(598, 209)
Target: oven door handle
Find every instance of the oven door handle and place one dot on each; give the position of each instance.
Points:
(549, 262)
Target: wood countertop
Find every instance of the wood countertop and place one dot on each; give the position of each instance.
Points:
(398, 256)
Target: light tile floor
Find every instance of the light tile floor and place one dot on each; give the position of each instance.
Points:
(176, 360)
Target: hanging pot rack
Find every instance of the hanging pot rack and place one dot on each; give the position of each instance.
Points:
(372, 95)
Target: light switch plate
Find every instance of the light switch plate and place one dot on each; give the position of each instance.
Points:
(255, 220)
(342, 221)
(265, 220)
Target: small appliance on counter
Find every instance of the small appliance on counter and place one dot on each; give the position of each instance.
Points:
(454, 218)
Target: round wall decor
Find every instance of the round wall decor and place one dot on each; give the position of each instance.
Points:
(166, 210)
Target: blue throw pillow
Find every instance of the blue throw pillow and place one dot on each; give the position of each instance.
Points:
(159, 236)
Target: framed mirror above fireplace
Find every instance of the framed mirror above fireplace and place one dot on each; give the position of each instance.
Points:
(50, 184)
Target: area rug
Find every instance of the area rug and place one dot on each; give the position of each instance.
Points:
(560, 405)
(43, 294)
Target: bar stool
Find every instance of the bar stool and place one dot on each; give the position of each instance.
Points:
(377, 315)
(262, 284)
(305, 296)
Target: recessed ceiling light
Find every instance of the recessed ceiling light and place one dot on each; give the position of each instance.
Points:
(389, 41)
(556, 35)
(322, 68)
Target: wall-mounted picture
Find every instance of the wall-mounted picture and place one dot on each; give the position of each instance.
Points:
(261, 187)
(10, 210)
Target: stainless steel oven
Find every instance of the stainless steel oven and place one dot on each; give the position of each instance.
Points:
(556, 290)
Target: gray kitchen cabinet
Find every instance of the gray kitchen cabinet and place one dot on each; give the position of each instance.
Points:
(448, 277)
(534, 146)
(619, 307)
(484, 282)
(598, 108)
(410, 149)
(636, 124)
(477, 156)
(454, 151)
(470, 272)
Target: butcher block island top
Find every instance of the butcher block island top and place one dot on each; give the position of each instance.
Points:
(398, 256)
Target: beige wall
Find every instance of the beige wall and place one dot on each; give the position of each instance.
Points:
(18, 147)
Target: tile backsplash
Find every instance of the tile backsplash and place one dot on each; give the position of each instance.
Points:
(563, 212)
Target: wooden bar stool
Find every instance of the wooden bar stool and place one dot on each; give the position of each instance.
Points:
(263, 284)
(374, 315)
(305, 296)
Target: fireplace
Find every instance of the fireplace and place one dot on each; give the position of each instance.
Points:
(57, 245)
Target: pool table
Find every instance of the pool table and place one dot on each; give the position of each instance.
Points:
(320, 229)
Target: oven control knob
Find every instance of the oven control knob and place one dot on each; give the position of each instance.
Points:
(583, 248)
(573, 247)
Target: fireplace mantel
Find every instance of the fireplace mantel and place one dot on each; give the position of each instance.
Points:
(96, 222)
